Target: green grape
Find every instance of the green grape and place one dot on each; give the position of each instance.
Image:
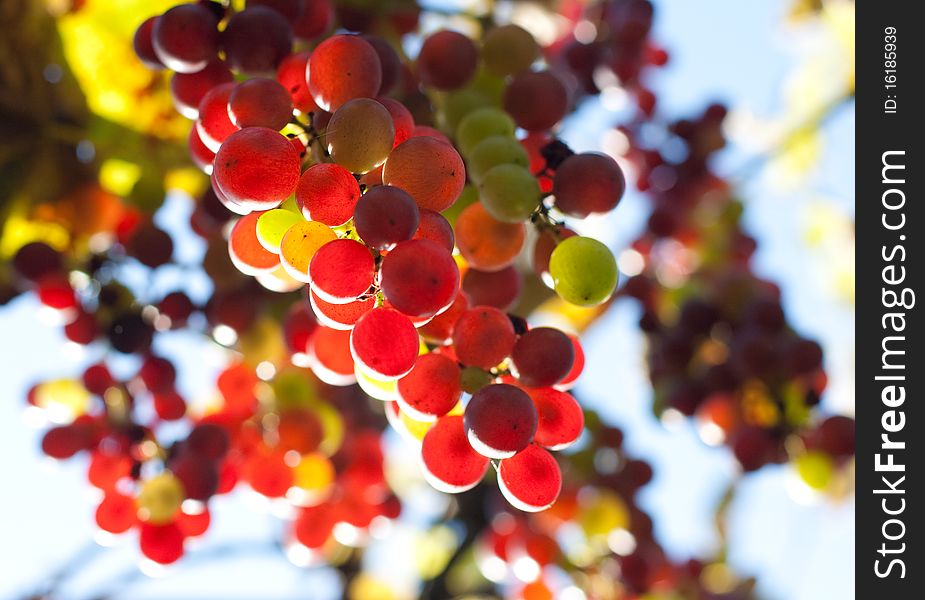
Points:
(272, 226)
(509, 49)
(468, 196)
(815, 469)
(509, 193)
(583, 271)
(460, 103)
(493, 151)
(490, 85)
(480, 124)
(472, 379)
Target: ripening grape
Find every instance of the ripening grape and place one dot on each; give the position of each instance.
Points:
(199, 152)
(583, 271)
(360, 135)
(450, 464)
(65, 441)
(159, 498)
(341, 271)
(340, 316)
(185, 38)
(448, 60)
(500, 289)
(389, 60)
(434, 227)
(483, 336)
(260, 102)
(385, 216)
(214, 125)
(143, 43)
(291, 75)
(402, 119)
(257, 167)
(430, 170)
(116, 512)
(560, 418)
(460, 103)
(331, 360)
(530, 480)
(419, 278)
(188, 89)
(439, 330)
(272, 225)
(536, 100)
(493, 151)
(542, 357)
(299, 244)
(485, 242)
(481, 124)
(341, 68)
(327, 193)
(816, 469)
(384, 343)
(500, 420)
(245, 249)
(431, 389)
(587, 184)
(509, 193)
(256, 40)
(161, 543)
(509, 49)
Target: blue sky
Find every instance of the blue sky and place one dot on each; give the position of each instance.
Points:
(725, 50)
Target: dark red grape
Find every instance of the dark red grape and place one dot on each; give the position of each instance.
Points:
(385, 216)
(500, 420)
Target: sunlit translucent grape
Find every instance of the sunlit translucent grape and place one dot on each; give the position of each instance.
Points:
(500, 420)
(143, 44)
(159, 498)
(460, 103)
(341, 68)
(107, 469)
(267, 473)
(327, 193)
(577, 366)
(534, 143)
(299, 430)
(447, 60)
(419, 278)
(385, 216)
(384, 343)
(583, 271)
(450, 464)
(329, 352)
(245, 249)
(816, 469)
(493, 151)
(340, 316)
(387, 391)
(169, 405)
(481, 124)
(214, 125)
(256, 40)
(116, 513)
(428, 169)
(389, 60)
(257, 167)
(360, 135)
(188, 89)
(260, 102)
(291, 75)
(509, 49)
(560, 418)
(194, 524)
(587, 184)
(500, 289)
(434, 227)
(485, 242)
(272, 225)
(162, 544)
(341, 271)
(402, 120)
(299, 244)
(483, 336)
(542, 357)
(314, 474)
(229, 204)
(431, 389)
(199, 152)
(530, 480)
(185, 38)
(536, 100)
(509, 193)
(440, 329)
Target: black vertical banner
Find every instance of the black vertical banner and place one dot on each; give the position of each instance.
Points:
(890, 261)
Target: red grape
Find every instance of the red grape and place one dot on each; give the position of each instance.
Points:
(259, 102)
(257, 167)
(530, 480)
(448, 60)
(385, 343)
(587, 184)
(428, 169)
(116, 513)
(450, 464)
(327, 193)
(390, 61)
(291, 74)
(419, 278)
(536, 100)
(385, 216)
(143, 43)
(188, 89)
(492, 288)
(256, 40)
(341, 271)
(161, 543)
(500, 420)
(434, 227)
(340, 316)
(483, 336)
(185, 38)
(560, 418)
(214, 125)
(542, 357)
(439, 330)
(341, 68)
(402, 120)
(431, 389)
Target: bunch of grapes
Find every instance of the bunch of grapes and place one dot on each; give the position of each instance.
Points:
(720, 347)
